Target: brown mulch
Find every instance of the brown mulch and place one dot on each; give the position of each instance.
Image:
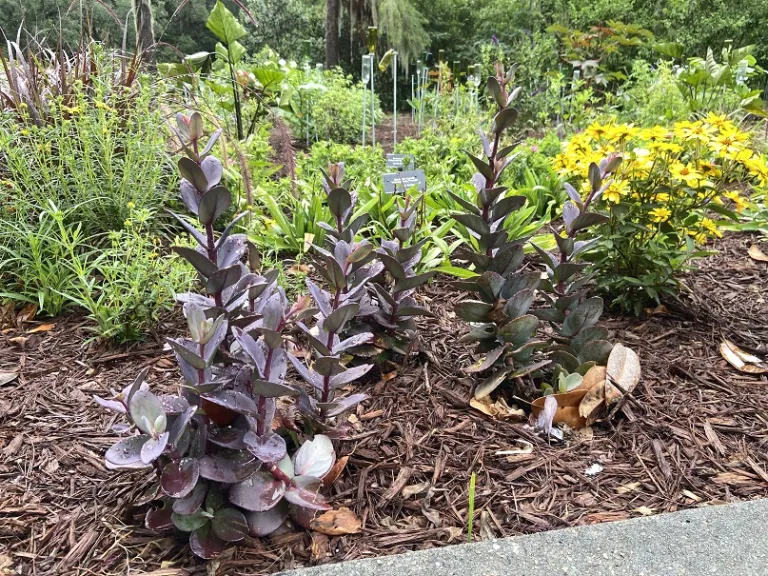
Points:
(697, 435)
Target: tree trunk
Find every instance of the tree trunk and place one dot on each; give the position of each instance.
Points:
(332, 8)
(145, 34)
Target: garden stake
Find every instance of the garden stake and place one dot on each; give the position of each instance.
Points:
(364, 80)
(394, 101)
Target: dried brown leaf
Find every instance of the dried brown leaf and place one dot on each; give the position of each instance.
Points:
(6, 377)
(756, 254)
(741, 360)
(337, 522)
(41, 328)
(499, 409)
(623, 369)
(594, 401)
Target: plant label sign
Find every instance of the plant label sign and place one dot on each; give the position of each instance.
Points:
(399, 182)
(400, 161)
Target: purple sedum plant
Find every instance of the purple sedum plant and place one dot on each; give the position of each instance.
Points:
(347, 267)
(499, 317)
(389, 307)
(223, 468)
(577, 342)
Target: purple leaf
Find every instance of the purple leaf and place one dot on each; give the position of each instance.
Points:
(183, 349)
(310, 376)
(227, 437)
(352, 341)
(266, 522)
(321, 298)
(272, 389)
(573, 193)
(213, 170)
(192, 502)
(190, 196)
(269, 447)
(258, 493)
(153, 448)
(231, 251)
(251, 347)
(213, 204)
(205, 544)
(228, 468)
(235, 401)
(180, 424)
(230, 524)
(315, 457)
(570, 212)
(110, 404)
(479, 181)
(127, 451)
(179, 478)
(345, 404)
(159, 519)
(305, 491)
(350, 375)
(302, 516)
(173, 405)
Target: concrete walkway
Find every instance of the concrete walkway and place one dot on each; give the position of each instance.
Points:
(729, 540)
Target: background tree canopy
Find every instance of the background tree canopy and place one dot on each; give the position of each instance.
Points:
(460, 27)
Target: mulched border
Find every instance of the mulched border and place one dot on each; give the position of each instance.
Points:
(697, 435)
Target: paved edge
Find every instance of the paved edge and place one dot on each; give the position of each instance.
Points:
(727, 540)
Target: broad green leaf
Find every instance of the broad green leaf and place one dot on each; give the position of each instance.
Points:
(224, 24)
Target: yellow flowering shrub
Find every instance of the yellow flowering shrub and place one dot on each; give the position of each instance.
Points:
(662, 198)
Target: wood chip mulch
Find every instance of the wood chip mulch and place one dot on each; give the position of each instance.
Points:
(697, 435)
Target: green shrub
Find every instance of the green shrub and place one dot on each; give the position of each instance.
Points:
(651, 95)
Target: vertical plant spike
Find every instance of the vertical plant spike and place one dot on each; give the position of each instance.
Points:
(389, 306)
(347, 267)
(501, 324)
(578, 344)
(223, 470)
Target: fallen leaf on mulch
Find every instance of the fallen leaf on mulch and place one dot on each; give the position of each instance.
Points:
(522, 448)
(644, 511)
(321, 545)
(742, 361)
(26, 314)
(6, 377)
(732, 478)
(6, 565)
(335, 471)
(337, 522)
(623, 370)
(567, 408)
(41, 328)
(626, 488)
(499, 409)
(691, 495)
(756, 254)
(414, 489)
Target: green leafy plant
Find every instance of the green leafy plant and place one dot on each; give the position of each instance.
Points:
(223, 471)
(709, 86)
(501, 324)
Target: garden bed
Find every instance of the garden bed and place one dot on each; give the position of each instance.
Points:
(696, 435)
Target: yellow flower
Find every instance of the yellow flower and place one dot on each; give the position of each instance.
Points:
(660, 214)
(690, 131)
(739, 203)
(709, 169)
(711, 227)
(661, 197)
(127, 223)
(131, 205)
(655, 134)
(686, 173)
(728, 142)
(597, 131)
(717, 121)
(621, 132)
(615, 191)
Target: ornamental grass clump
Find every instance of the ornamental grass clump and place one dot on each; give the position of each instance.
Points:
(663, 202)
(220, 447)
(500, 320)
